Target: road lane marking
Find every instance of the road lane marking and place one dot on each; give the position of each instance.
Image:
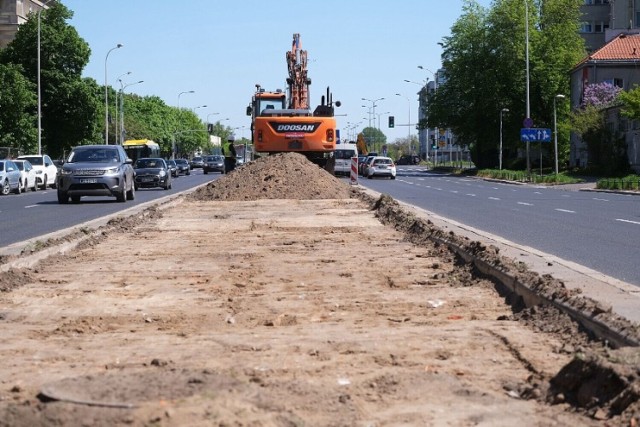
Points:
(525, 203)
(454, 191)
(31, 206)
(493, 198)
(600, 200)
(471, 194)
(565, 210)
(628, 221)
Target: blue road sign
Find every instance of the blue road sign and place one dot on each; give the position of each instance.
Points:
(535, 135)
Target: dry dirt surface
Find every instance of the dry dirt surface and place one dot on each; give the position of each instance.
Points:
(278, 296)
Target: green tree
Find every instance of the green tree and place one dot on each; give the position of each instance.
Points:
(607, 149)
(71, 108)
(485, 63)
(374, 138)
(18, 104)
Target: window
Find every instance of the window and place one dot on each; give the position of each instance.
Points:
(586, 27)
(618, 82)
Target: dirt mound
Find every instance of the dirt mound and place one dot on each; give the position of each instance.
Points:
(279, 176)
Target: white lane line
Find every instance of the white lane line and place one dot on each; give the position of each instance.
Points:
(471, 194)
(600, 200)
(493, 198)
(537, 192)
(525, 203)
(565, 210)
(31, 206)
(628, 221)
(453, 191)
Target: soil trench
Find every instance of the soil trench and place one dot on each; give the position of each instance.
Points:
(278, 312)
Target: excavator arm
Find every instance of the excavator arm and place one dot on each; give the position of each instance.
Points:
(298, 81)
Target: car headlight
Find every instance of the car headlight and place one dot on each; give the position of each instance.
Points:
(66, 172)
(111, 171)
(163, 173)
(39, 172)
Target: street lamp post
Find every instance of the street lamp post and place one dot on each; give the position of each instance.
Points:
(504, 110)
(555, 129)
(373, 107)
(121, 130)
(39, 86)
(106, 95)
(181, 93)
(528, 105)
(119, 79)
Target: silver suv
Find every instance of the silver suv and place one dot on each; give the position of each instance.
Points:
(96, 170)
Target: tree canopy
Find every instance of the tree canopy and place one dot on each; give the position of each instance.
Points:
(484, 62)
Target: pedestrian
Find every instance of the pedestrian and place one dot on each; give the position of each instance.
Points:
(229, 153)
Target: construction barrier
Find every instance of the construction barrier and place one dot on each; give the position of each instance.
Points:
(354, 170)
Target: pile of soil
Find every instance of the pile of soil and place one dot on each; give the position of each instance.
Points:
(279, 176)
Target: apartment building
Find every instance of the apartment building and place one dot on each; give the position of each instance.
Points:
(13, 13)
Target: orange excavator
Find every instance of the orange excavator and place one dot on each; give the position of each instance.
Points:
(285, 122)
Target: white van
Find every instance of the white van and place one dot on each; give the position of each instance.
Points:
(343, 154)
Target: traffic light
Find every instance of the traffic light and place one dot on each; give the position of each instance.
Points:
(392, 121)
(210, 128)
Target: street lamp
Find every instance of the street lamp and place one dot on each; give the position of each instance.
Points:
(106, 95)
(528, 114)
(373, 107)
(504, 110)
(555, 129)
(121, 136)
(39, 86)
(211, 114)
(181, 93)
(199, 106)
(119, 79)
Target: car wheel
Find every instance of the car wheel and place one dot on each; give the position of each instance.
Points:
(63, 197)
(6, 188)
(35, 186)
(18, 189)
(206, 172)
(122, 196)
(131, 194)
(44, 183)
(75, 199)
(393, 177)
(189, 173)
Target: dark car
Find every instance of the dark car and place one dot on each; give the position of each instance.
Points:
(196, 162)
(96, 170)
(183, 167)
(152, 172)
(172, 167)
(213, 164)
(408, 160)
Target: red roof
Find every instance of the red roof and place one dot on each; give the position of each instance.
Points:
(624, 47)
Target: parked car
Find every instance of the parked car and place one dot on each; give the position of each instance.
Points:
(408, 160)
(183, 167)
(46, 170)
(196, 162)
(152, 172)
(172, 167)
(362, 169)
(27, 175)
(381, 166)
(96, 170)
(9, 178)
(213, 164)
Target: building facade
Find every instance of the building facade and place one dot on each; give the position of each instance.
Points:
(618, 63)
(13, 13)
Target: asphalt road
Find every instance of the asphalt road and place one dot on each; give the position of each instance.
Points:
(34, 214)
(598, 230)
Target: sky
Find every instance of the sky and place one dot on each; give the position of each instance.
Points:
(221, 49)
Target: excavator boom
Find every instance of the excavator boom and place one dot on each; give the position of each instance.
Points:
(298, 81)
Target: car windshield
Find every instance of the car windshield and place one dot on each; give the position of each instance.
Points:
(345, 154)
(94, 155)
(1, 166)
(181, 162)
(382, 162)
(34, 160)
(20, 165)
(148, 163)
